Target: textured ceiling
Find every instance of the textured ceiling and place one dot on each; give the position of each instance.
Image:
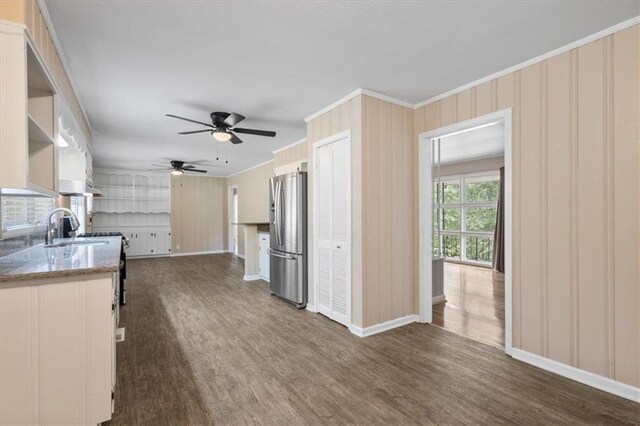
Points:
(278, 62)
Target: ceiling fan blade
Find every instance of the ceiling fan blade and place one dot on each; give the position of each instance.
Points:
(189, 167)
(188, 119)
(255, 132)
(194, 170)
(195, 131)
(233, 119)
(234, 139)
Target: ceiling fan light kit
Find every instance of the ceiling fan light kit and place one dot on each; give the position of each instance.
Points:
(222, 135)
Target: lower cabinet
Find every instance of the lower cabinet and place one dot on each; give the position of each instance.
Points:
(263, 255)
(144, 242)
(57, 350)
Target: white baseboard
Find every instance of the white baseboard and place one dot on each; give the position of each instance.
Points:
(241, 256)
(150, 256)
(439, 299)
(599, 382)
(198, 253)
(311, 308)
(251, 277)
(265, 278)
(384, 326)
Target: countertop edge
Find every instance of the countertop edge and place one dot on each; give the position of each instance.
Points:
(28, 276)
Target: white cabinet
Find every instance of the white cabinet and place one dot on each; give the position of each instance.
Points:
(28, 123)
(332, 238)
(57, 363)
(263, 255)
(145, 242)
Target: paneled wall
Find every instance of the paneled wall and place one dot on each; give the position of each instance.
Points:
(347, 116)
(198, 213)
(253, 193)
(293, 154)
(387, 211)
(575, 194)
(27, 12)
(253, 198)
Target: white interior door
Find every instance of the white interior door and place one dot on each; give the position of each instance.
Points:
(332, 210)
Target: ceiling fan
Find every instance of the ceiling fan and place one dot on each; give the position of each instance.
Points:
(223, 128)
(179, 167)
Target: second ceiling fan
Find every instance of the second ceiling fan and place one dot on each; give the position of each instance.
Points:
(223, 128)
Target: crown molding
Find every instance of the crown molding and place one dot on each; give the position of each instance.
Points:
(591, 38)
(291, 145)
(250, 168)
(354, 94)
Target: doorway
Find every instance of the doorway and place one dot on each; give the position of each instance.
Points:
(465, 228)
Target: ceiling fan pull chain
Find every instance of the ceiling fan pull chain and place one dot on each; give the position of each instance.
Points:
(217, 150)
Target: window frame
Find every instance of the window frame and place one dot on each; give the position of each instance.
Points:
(463, 205)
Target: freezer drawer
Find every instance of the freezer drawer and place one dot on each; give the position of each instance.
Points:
(288, 277)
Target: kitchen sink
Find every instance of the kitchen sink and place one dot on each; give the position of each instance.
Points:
(78, 243)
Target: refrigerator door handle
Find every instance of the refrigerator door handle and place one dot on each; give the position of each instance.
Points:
(282, 256)
(277, 211)
(280, 198)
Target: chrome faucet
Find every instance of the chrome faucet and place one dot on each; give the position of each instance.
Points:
(75, 224)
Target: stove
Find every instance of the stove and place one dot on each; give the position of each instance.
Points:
(123, 259)
(100, 234)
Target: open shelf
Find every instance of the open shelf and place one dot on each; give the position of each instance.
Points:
(130, 212)
(134, 199)
(131, 186)
(37, 135)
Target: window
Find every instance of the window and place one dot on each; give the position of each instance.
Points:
(465, 210)
(78, 207)
(22, 215)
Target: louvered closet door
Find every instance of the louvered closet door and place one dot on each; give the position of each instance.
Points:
(332, 212)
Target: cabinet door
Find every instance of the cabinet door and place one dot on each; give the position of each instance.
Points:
(263, 256)
(152, 243)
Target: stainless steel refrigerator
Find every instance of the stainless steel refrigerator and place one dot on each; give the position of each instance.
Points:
(288, 252)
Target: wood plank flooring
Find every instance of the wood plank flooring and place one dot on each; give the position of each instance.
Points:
(475, 303)
(204, 347)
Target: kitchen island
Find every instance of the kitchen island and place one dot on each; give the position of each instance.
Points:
(57, 332)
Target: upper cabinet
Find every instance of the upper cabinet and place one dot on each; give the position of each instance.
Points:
(28, 123)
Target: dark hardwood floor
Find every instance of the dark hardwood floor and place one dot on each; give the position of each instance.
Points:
(475, 303)
(203, 346)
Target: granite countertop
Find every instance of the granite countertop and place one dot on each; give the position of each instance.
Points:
(51, 262)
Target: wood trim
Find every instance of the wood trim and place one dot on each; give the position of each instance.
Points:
(382, 327)
(594, 380)
(586, 40)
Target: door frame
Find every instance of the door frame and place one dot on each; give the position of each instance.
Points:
(230, 243)
(316, 145)
(425, 202)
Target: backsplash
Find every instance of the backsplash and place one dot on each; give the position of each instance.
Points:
(12, 245)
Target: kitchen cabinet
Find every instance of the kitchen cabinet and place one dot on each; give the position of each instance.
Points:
(57, 349)
(28, 124)
(145, 242)
(263, 255)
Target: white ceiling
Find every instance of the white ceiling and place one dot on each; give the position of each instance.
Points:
(484, 142)
(278, 62)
